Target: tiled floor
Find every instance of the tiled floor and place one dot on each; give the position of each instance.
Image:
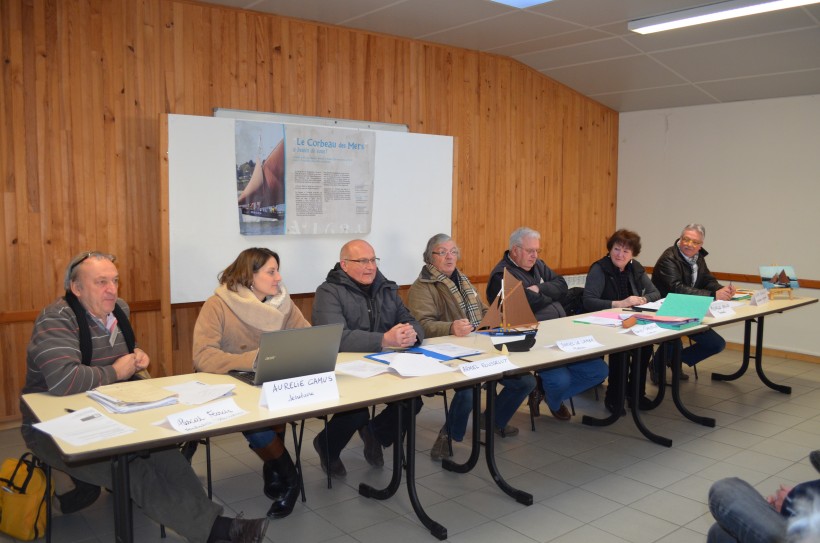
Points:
(589, 484)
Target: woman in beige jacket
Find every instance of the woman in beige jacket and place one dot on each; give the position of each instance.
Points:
(250, 300)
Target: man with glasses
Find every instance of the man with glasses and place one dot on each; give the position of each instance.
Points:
(446, 303)
(682, 269)
(356, 294)
(545, 289)
(84, 340)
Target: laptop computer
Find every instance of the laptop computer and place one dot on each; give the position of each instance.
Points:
(293, 353)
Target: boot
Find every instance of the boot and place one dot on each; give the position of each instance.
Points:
(81, 496)
(283, 504)
(272, 482)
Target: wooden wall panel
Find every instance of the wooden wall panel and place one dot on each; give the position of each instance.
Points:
(84, 83)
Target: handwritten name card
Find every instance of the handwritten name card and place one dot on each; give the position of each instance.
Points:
(297, 391)
(720, 308)
(644, 330)
(488, 366)
(577, 344)
(200, 417)
(760, 297)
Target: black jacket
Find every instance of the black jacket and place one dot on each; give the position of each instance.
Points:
(601, 287)
(365, 319)
(552, 288)
(672, 273)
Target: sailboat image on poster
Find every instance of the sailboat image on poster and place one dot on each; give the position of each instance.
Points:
(510, 315)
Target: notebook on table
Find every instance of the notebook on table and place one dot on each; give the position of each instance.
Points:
(284, 354)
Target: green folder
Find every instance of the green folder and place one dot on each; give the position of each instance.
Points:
(684, 305)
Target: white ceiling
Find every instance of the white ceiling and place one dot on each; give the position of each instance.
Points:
(585, 44)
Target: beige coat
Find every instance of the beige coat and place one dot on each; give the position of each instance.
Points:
(230, 324)
(433, 305)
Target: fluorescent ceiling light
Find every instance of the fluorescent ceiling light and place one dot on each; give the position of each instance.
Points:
(521, 4)
(710, 13)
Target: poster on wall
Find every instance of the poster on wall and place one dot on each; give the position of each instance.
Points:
(294, 179)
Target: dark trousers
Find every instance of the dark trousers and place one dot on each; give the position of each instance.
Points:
(342, 426)
(616, 362)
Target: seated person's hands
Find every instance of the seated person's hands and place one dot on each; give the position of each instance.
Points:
(629, 302)
(126, 366)
(141, 360)
(725, 293)
(461, 328)
(400, 336)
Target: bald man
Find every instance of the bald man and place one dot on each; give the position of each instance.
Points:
(357, 295)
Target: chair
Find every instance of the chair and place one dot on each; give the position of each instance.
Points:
(297, 447)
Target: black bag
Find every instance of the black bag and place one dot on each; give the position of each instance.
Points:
(573, 302)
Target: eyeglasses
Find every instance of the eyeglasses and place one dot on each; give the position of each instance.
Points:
(530, 251)
(690, 241)
(85, 256)
(442, 253)
(363, 261)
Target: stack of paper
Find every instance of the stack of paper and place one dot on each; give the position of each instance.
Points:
(132, 396)
(606, 318)
(679, 311)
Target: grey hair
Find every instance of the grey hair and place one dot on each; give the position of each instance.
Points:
(520, 233)
(699, 228)
(438, 239)
(71, 270)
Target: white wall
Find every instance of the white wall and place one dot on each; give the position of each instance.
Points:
(749, 172)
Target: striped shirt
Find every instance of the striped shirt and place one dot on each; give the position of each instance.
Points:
(53, 359)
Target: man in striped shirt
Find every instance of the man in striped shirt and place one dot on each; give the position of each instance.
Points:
(85, 340)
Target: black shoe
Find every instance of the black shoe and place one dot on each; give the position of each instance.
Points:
(814, 456)
(337, 469)
(248, 530)
(283, 504)
(372, 447)
(81, 496)
(188, 449)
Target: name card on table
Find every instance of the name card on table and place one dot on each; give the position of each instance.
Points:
(720, 308)
(296, 391)
(488, 366)
(760, 297)
(206, 415)
(577, 344)
(644, 330)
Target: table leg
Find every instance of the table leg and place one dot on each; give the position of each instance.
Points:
(438, 531)
(635, 362)
(705, 421)
(489, 450)
(451, 465)
(123, 519)
(759, 362)
(382, 494)
(659, 361)
(616, 414)
(747, 339)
